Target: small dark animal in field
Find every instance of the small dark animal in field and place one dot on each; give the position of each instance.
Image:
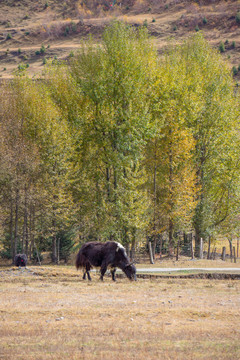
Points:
(20, 260)
(110, 254)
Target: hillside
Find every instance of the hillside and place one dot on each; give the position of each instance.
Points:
(60, 26)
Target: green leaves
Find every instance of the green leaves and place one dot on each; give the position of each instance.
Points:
(121, 143)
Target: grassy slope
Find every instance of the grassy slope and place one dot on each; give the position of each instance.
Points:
(31, 24)
(57, 316)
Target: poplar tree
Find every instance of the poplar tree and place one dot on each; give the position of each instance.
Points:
(211, 107)
(111, 127)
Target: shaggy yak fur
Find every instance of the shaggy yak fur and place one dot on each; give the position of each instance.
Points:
(20, 260)
(110, 254)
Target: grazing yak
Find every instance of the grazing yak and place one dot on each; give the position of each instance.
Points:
(110, 254)
(20, 260)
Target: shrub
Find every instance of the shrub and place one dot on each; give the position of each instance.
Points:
(44, 61)
(43, 49)
(145, 23)
(21, 67)
(6, 254)
(221, 47)
(175, 28)
(9, 36)
(153, 20)
(234, 70)
(19, 51)
(66, 31)
(73, 26)
(204, 21)
(238, 67)
(226, 42)
(238, 17)
(197, 28)
(233, 45)
(37, 52)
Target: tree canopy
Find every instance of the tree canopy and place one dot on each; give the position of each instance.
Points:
(119, 143)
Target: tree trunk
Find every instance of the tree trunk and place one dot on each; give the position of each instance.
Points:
(171, 240)
(150, 252)
(32, 231)
(25, 226)
(230, 246)
(133, 248)
(160, 246)
(223, 253)
(58, 251)
(197, 245)
(155, 204)
(234, 254)
(108, 183)
(178, 244)
(54, 249)
(170, 222)
(16, 221)
(192, 248)
(209, 248)
(12, 230)
(201, 249)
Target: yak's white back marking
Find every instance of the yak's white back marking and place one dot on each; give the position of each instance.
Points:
(119, 246)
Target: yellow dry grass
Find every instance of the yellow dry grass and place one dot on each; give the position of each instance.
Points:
(50, 313)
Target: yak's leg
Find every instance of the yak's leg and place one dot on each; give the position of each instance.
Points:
(113, 271)
(103, 270)
(88, 267)
(89, 277)
(84, 275)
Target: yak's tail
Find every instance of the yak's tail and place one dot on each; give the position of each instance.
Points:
(79, 260)
(82, 261)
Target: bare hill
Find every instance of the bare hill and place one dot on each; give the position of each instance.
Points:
(32, 32)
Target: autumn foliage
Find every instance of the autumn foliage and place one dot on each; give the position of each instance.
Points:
(119, 144)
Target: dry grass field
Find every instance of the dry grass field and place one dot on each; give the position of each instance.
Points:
(50, 313)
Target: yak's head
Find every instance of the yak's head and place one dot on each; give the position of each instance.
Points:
(130, 271)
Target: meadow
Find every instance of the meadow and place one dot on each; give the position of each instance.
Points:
(51, 313)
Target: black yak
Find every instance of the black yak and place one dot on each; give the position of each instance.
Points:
(20, 260)
(110, 254)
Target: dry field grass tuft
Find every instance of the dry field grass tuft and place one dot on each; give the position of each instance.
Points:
(50, 313)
